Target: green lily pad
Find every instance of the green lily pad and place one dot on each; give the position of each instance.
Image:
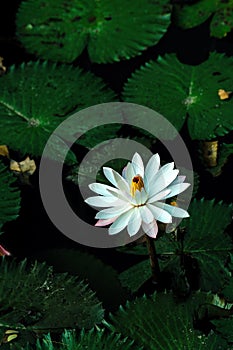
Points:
(36, 97)
(111, 30)
(179, 91)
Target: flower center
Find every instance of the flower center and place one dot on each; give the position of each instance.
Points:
(136, 184)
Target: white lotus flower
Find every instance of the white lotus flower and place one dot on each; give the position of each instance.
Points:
(136, 199)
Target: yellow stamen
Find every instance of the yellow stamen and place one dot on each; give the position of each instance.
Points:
(136, 184)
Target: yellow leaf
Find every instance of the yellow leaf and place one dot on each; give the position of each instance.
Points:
(10, 331)
(224, 95)
(2, 67)
(27, 166)
(4, 151)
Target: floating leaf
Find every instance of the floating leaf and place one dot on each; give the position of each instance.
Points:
(101, 277)
(222, 21)
(32, 295)
(91, 340)
(206, 242)
(10, 197)
(225, 328)
(203, 241)
(134, 277)
(219, 12)
(36, 97)
(177, 91)
(59, 31)
(160, 323)
(191, 15)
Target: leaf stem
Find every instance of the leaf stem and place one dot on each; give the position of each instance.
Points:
(154, 264)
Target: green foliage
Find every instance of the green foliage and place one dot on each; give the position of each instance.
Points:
(225, 328)
(191, 15)
(91, 340)
(202, 239)
(177, 90)
(100, 277)
(60, 31)
(161, 323)
(36, 97)
(33, 296)
(10, 196)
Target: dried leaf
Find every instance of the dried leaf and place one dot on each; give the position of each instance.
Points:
(4, 149)
(2, 67)
(27, 166)
(224, 95)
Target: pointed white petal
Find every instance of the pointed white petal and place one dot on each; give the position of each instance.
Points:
(178, 180)
(100, 201)
(120, 195)
(124, 172)
(150, 229)
(138, 197)
(137, 165)
(151, 181)
(105, 222)
(176, 189)
(129, 173)
(163, 180)
(159, 196)
(134, 223)
(146, 214)
(108, 172)
(112, 212)
(160, 214)
(144, 196)
(101, 189)
(120, 223)
(174, 211)
(152, 166)
(116, 179)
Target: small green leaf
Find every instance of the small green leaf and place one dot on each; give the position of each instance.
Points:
(225, 328)
(59, 31)
(222, 21)
(219, 12)
(10, 196)
(178, 91)
(134, 277)
(191, 15)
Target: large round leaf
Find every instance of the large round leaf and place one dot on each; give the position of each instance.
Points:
(35, 97)
(160, 323)
(32, 295)
(111, 30)
(177, 90)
